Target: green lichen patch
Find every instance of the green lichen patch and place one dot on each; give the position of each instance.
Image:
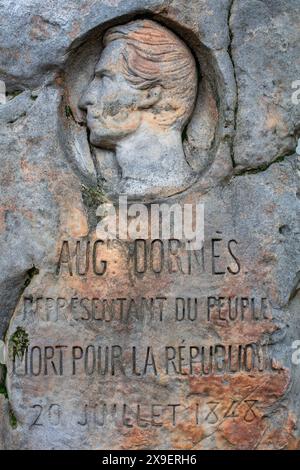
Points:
(12, 418)
(3, 373)
(93, 196)
(30, 274)
(69, 112)
(18, 343)
(11, 95)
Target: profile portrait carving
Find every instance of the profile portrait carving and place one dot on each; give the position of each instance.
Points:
(139, 102)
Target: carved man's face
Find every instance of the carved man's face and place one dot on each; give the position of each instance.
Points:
(112, 105)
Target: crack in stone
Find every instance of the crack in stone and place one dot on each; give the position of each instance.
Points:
(272, 99)
(21, 282)
(259, 168)
(295, 288)
(264, 167)
(229, 50)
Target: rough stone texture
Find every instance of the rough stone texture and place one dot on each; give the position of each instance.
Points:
(265, 52)
(241, 140)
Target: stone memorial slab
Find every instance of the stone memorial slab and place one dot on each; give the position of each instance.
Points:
(149, 225)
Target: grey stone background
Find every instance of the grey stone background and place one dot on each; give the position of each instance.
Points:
(242, 138)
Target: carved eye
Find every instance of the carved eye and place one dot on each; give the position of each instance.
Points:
(102, 75)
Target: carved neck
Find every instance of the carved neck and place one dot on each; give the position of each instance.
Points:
(149, 155)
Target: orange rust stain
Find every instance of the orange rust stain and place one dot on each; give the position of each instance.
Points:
(186, 435)
(240, 434)
(272, 120)
(248, 429)
(251, 330)
(137, 438)
(76, 222)
(280, 436)
(269, 385)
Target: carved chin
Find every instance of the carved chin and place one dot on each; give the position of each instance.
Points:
(107, 138)
(101, 140)
(94, 138)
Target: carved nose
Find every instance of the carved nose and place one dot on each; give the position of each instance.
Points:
(87, 99)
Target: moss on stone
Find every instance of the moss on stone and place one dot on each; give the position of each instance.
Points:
(18, 343)
(93, 196)
(3, 373)
(69, 112)
(30, 274)
(12, 418)
(13, 94)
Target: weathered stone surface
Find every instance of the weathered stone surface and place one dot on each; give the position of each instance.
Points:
(240, 143)
(265, 53)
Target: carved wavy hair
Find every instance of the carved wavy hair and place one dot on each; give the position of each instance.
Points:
(156, 56)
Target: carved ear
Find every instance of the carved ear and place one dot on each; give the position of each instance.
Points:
(153, 95)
